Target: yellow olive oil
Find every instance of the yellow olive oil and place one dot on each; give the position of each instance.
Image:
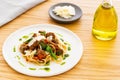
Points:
(105, 22)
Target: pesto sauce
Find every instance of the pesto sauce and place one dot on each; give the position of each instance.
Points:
(20, 39)
(25, 37)
(59, 34)
(32, 68)
(27, 41)
(47, 63)
(14, 49)
(63, 63)
(66, 43)
(69, 48)
(47, 69)
(65, 56)
(21, 63)
(18, 57)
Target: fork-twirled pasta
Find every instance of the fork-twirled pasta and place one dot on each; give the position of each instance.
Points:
(43, 47)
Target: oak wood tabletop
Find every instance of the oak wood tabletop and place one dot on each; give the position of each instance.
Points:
(100, 59)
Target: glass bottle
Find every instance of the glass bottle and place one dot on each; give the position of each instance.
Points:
(105, 21)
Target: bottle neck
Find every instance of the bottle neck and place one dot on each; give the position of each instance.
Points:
(107, 3)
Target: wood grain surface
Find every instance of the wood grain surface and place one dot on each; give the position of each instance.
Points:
(100, 60)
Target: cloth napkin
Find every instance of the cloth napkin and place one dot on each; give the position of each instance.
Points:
(10, 9)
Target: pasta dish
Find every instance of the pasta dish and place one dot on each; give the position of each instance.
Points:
(43, 47)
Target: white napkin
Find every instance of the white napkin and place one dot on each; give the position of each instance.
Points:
(10, 9)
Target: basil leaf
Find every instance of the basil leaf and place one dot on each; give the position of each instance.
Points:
(43, 45)
(49, 49)
(27, 41)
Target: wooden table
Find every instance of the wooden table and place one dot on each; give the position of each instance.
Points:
(100, 60)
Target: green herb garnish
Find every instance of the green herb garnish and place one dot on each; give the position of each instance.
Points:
(62, 63)
(42, 33)
(61, 39)
(43, 45)
(18, 57)
(27, 41)
(21, 63)
(65, 56)
(25, 36)
(59, 34)
(49, 49)
(20, 39)
(69, 48)
(32, 68)
(14, 49)
(46, 69)
(47, 63)
(66, 43)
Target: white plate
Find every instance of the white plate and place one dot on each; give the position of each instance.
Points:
(18, 63)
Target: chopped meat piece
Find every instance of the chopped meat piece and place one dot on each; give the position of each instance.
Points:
(34, 35)
(24, 47)
(49, 34)
(35, 45)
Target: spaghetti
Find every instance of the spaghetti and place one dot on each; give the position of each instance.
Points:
(43, 47)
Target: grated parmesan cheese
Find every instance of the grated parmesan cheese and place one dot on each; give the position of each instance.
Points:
(64, 11)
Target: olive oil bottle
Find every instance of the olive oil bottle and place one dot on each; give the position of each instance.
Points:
(105, 21)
